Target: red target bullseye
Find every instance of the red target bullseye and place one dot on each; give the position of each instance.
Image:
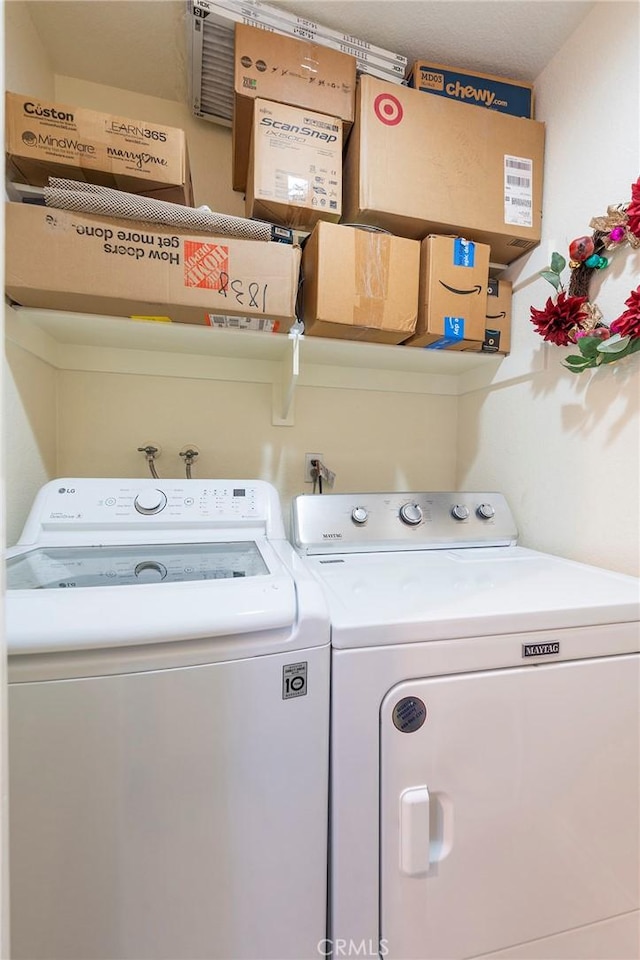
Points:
(388, 109)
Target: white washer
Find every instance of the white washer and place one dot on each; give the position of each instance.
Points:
(169, 712)
(485, 734)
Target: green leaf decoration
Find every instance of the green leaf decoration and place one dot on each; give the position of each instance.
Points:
(634, 345)
(615, 344)
(589, 346)
(558, 263)
(551, 277)
(577, 363)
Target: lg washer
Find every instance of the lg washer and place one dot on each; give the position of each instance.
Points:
(484, 731)
(168, 725)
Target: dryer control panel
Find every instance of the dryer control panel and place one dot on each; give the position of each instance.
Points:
(347, 523)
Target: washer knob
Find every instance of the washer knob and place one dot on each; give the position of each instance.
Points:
(150, 501)
(460, 512)
(359, 515)
(150, 571)
(485, 511)
(411, 513)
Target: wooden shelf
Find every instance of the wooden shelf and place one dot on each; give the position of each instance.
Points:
(117, 344)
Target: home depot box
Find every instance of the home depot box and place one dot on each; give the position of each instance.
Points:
(287, 70)
(452, 302)
(295, 166)
(359, 284)
(417, 165)
(497, 332)
(479, 89)
(44, 139)
(71, 261)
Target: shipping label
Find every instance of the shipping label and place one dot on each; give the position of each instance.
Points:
(518, 191)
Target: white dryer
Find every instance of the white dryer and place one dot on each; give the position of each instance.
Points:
(485, 734)
(168, 723)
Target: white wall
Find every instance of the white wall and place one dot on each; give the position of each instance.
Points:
(564, 447)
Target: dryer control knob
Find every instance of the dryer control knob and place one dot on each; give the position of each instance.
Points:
(359, 515)
(150, 501)
(485, 511)
(150, 571)
(411, 513)
(460, 512)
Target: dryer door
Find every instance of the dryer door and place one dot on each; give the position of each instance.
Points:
(509, 808)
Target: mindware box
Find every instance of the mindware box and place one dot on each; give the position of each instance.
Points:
(289, 71)
(478, 89)
(418, 165)
(359, 284)
(295, 167)
(46, 139)
(452, 302)
(59, 260)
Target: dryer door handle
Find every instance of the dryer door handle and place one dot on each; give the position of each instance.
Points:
(414, 831)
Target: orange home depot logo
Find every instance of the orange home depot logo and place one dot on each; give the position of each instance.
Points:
(206, 265)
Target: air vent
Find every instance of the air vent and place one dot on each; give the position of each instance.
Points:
(211, 40)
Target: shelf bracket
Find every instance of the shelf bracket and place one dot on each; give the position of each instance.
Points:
(284, 385)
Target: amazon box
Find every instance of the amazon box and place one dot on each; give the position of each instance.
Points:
(82, 263)
(497, 332)
(479, 89)
(291, 71)
(295, 170)
(452, 302)
(418, 165)
(359, 284)
(44, 139)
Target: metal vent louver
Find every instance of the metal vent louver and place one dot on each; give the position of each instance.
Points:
(211, 41)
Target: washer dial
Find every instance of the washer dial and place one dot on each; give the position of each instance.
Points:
(460, 512)
(360, 515)
(150, 501)
(485, 511)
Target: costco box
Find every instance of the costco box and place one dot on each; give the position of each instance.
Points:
(418, 165)
(296, 72)
(452, 302)
(359, 284)
(478, 89)
(70, 261)
(497, 332)
(46, 139)
(295, 167)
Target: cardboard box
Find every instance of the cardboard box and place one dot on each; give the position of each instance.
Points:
(478, 89)
(295, 167)
(359, 284)
(452, 302)
(418, 165)
(46, 139)
(497, 333)
(291, 71)
(60, 260)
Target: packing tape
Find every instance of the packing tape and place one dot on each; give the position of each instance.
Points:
(372, 255)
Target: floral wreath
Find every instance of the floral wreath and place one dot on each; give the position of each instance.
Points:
(570, 317)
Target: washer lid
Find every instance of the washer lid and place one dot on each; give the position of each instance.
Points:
(390, 598)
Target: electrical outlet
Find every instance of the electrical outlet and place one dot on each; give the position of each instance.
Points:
(308, 457)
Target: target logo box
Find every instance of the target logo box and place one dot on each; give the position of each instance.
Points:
(417, 165)
(295, 166)
(59, 260)
(291, 71)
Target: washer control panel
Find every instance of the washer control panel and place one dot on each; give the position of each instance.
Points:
(344, 523)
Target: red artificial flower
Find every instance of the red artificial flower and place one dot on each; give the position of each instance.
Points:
(558, 321)
(633, 210)
(628, 323)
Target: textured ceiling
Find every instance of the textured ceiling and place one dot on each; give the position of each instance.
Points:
(140, 45)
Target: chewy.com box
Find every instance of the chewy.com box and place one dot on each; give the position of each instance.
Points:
(44, 139)
(452, 302)
(295, 167)
(479, 89)
(59, 260)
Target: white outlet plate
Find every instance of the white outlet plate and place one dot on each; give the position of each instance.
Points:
(308, 457)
